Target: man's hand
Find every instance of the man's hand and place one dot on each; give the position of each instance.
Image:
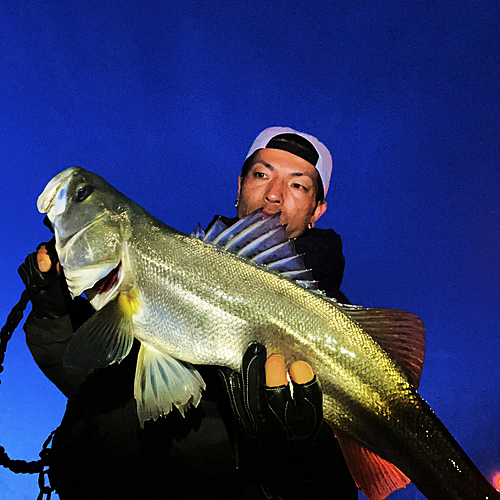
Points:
(37, 271)
(44, 260)
(41, 274)
(277, 448)
(301, 414)
(262, 400)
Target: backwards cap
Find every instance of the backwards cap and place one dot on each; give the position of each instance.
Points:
(276, 138)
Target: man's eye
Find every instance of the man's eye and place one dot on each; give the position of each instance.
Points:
(259, 175)
(296, 185)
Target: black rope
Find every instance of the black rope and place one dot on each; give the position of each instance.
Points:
(13, 319)
(21, 466)
(45, 489)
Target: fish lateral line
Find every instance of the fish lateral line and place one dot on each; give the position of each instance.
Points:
(168, 324)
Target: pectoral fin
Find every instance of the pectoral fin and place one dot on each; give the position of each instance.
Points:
(162, 381)
(105, 338)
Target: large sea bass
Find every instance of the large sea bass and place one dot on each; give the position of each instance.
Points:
(188, 301)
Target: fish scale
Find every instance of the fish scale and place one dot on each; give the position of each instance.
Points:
(189, 302)
(331, 347)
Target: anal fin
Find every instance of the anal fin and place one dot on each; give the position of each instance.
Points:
(375, 477)
(161, 382)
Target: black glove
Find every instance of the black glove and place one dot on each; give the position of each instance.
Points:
(279, 430)
(35, 280)
(261, 409)
(47, 290)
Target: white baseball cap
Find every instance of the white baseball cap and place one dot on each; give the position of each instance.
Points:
(276, 138)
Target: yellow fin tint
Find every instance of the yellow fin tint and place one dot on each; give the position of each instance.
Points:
(129, 302)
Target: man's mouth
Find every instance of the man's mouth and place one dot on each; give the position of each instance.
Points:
(266, 213)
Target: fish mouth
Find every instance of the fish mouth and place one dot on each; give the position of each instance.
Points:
(107, 288)
(108, 282)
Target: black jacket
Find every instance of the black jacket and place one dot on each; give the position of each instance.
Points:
(99, 451)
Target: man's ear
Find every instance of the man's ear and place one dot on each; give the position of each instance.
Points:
(239, 185)
(319, 211)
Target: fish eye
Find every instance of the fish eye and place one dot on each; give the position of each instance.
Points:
(83, 193)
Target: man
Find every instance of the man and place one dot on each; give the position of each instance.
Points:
(244, 440)
(289, 172)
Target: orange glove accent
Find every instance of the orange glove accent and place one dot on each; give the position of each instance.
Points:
(276, 371)
(301, 372)
(44, 262)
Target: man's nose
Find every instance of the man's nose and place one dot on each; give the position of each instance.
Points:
(274, 192)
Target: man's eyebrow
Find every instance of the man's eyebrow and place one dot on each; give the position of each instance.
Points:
(265, 164)
(272, 168)
(306, 175)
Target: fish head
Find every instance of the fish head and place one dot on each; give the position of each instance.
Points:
(91, 225)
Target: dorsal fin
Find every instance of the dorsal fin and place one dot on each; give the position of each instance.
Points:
(235, 232)
(214, 231)
(263, 241)
(401, 334)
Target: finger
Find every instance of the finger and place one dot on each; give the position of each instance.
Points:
(307, 411)
(276, 371)
(254, 381)
(43, 260)
(301, 372)
(231, 381)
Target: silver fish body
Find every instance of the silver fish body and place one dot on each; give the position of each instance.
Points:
(190, 301)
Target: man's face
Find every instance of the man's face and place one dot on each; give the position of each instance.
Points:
(280, 181)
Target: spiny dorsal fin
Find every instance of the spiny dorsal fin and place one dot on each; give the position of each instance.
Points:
(262, 241)
(214, 231)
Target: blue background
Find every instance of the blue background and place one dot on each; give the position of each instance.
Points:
(164, 99)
